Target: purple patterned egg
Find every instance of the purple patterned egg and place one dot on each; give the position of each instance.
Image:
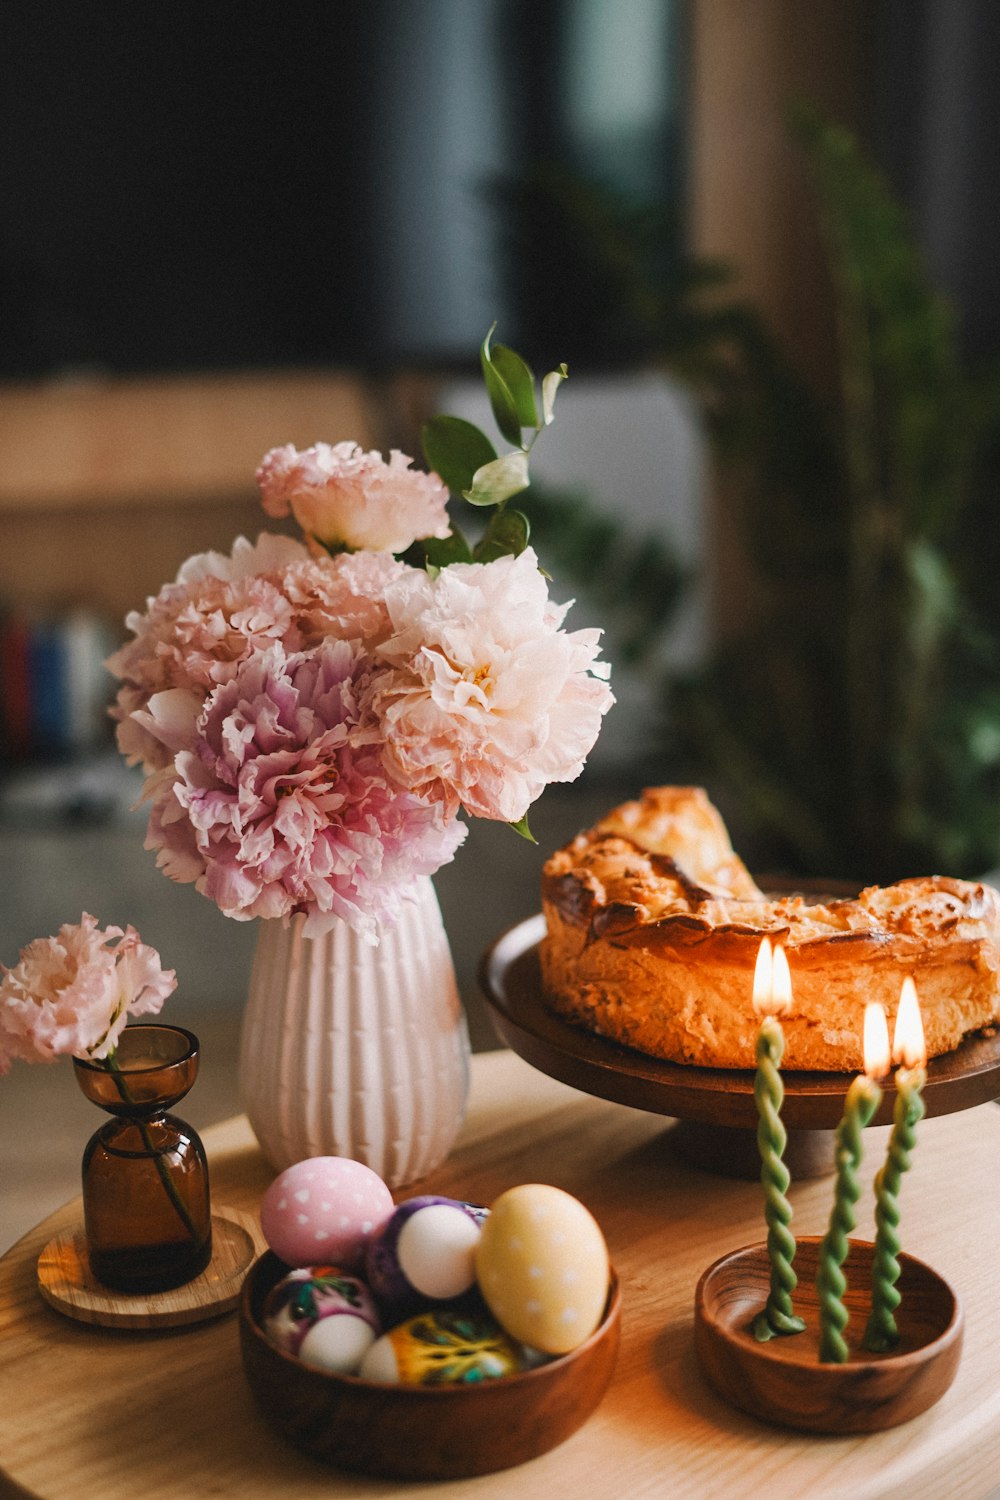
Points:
(310, 1295)
(425, 1252)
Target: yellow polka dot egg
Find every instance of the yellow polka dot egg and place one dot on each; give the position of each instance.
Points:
(542, 1267)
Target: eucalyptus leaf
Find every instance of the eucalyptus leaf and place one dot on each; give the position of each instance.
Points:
(550, 385)
(520, 381)
(496, 481)
(505, 536)
(455, 450)
(503, 402)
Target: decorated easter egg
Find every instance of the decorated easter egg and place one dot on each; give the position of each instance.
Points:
(312, 1295)
(542, 1267)
(442, 1346)
(324, 1208)
(425, 1251)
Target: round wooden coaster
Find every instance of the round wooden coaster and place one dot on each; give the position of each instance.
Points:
(66, 1283)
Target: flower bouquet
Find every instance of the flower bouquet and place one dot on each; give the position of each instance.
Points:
(312, 717)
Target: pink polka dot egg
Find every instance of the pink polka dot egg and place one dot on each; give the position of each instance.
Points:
(325, 1208)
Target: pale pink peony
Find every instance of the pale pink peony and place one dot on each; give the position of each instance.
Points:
(488, 699)
(74, 992)
(345, 497)
(221, 610)
(281, 804)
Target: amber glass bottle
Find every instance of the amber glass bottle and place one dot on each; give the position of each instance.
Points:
(145, 1175)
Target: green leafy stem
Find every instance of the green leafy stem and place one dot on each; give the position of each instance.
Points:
(465, 459)
(469, 464)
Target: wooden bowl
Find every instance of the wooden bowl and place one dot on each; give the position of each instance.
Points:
(783, 1382)
(422, 1432)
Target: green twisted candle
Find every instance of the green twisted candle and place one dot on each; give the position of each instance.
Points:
(862, 1101)
(881, 1332)
(777, 1316)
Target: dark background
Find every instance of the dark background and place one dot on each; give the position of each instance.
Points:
(195, 186)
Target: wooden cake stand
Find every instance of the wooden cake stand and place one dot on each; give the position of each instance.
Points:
(715, 1106)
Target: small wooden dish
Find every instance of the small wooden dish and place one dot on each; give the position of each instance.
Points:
(66, 1282)
(422, 1432)
(782, 1381)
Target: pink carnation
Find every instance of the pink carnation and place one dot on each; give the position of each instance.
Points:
(281, 804)
(487, 700)
(221, 610)
(74, 992)
(347, 498)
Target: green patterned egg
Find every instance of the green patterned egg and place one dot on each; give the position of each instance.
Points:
(443, 1346)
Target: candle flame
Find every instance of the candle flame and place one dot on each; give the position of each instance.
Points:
(762, 978)
(908, 1045)
(772, 983)
(781, 984)
(876, 1041)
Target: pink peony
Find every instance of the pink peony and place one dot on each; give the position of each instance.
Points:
(347, 498)
(74, 992)
(221, 610)
(487, 700)
(280, 802)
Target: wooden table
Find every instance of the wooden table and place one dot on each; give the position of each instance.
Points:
(92, 1414)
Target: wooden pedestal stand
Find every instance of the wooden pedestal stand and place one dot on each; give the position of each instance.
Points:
(716, 1106)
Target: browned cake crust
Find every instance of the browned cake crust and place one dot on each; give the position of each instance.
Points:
(653, 926)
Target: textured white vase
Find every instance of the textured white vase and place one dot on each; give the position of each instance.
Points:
(353, 1050)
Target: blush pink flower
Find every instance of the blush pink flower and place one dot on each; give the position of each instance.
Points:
(75, 992)
(345, 497)
(281, 804)
(487, 700)
(221, 610)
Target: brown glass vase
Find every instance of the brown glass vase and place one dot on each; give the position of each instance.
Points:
(145, 1175)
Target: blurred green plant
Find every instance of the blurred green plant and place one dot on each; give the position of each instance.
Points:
(856, 724)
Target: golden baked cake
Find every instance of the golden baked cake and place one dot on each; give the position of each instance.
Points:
(653, 926)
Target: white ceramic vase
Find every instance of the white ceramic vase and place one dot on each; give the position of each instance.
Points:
(353, 1050)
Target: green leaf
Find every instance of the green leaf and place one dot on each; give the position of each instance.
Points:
(455, 450)
(496, 481)
(522, 828)
(503, 402)
(440, 552)
(550, 384)
(505, 536)
(517, 377)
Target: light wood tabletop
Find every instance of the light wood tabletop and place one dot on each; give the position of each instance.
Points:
(100, 1414)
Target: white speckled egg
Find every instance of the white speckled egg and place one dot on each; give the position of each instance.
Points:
(542, 1266)
(324, 1208)
(337, 1344)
